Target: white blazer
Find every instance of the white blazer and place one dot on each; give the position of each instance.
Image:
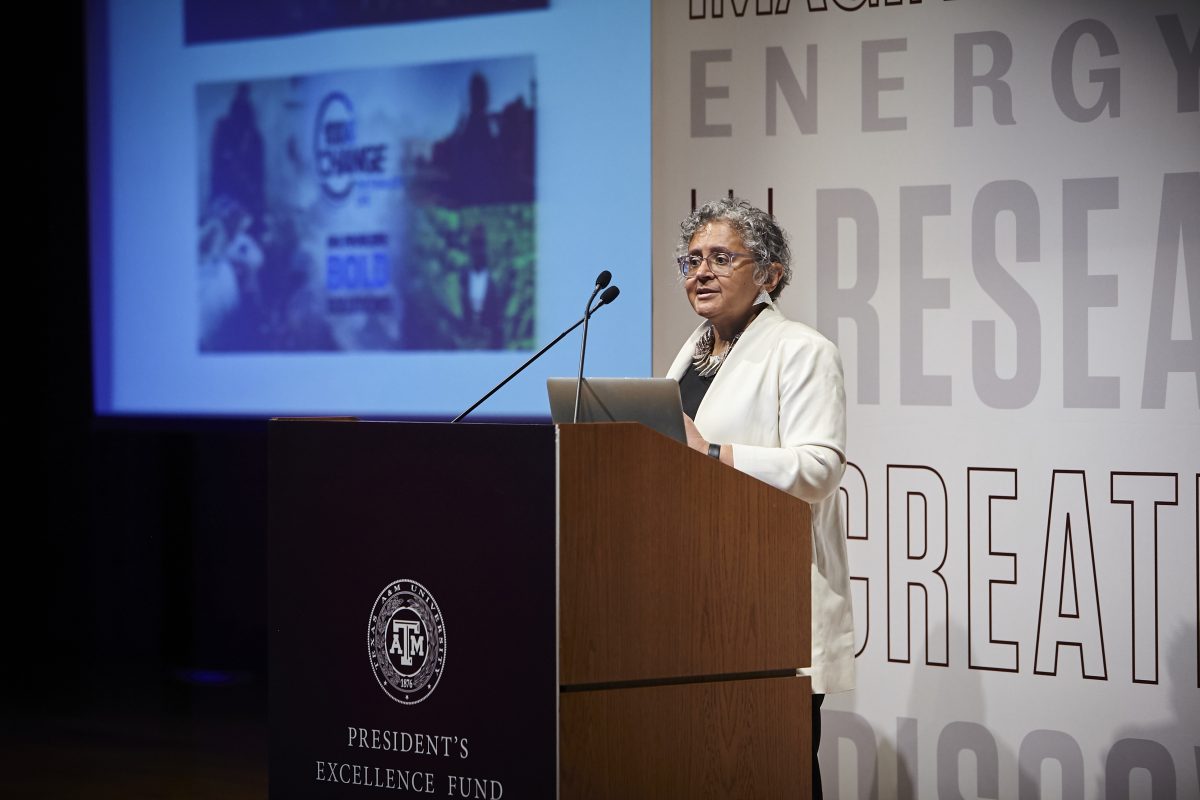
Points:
(779, 401)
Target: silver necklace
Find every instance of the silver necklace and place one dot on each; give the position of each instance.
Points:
(705, 360)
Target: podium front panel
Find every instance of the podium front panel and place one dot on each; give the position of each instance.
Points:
(412, 610)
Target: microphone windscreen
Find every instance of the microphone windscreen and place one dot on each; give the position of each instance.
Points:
(609, 295)
(603, 279)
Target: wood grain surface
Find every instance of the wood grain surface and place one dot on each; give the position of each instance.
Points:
(672, 564)
(733, 739)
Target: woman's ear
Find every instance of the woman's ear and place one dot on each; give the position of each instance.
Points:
(774, 274)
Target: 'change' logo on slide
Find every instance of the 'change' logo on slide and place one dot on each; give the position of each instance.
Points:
(339, 154)
(407, 641)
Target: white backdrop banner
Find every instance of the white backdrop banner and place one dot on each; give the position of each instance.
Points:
(995, 214)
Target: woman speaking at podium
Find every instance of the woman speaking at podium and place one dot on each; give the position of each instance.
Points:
(764, 395)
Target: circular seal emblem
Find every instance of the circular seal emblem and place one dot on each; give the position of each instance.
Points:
(406, 638)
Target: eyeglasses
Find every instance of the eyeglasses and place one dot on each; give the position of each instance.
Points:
(720, 262)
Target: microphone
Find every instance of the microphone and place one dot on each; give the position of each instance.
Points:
(602, 280)
(611, 293)
(607, 297)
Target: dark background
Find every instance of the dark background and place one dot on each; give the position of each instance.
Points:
(136, 549)
(134, 646)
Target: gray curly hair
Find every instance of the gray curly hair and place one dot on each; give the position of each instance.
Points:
(763, 237)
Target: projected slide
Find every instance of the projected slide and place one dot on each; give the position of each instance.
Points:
(383, 209)
(301, 207)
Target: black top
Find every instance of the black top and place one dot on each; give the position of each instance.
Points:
(692, 388)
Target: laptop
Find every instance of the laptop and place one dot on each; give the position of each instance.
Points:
(654, 402)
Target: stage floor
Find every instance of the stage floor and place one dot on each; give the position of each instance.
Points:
(201, 742)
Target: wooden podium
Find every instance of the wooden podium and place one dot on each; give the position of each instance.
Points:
(613, 615)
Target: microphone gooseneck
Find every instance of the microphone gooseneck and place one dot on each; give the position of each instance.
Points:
(610, 293)
(602, 280)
